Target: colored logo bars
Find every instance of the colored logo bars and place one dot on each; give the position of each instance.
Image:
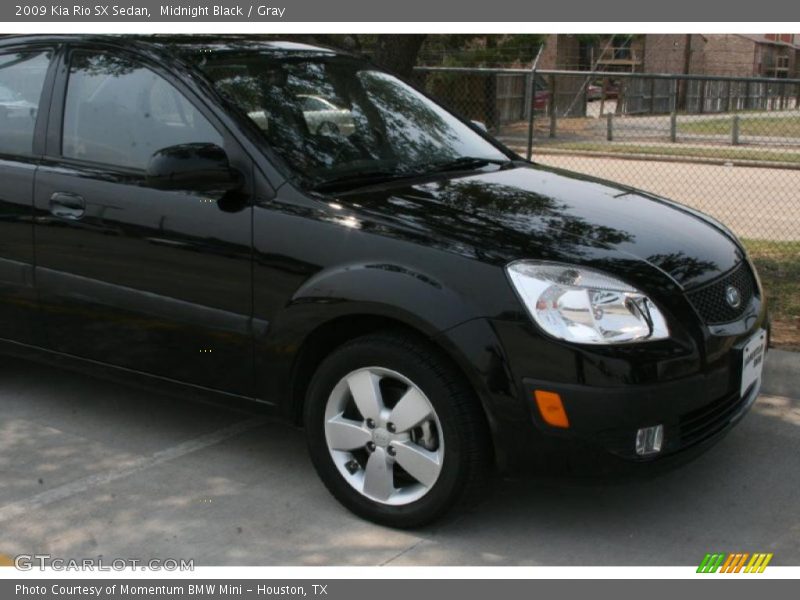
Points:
(734, 562)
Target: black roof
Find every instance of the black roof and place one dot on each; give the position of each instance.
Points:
(183, 44)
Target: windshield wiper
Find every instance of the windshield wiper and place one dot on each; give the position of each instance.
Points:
(355, 180)
(468, 162)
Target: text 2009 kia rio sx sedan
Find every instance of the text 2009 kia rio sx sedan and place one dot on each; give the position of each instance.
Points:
(294, 226)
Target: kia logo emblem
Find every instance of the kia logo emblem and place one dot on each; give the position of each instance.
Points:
(733, 297)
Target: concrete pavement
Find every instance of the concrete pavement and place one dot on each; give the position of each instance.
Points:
(89, 468)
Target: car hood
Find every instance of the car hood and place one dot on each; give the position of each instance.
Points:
(537, 212)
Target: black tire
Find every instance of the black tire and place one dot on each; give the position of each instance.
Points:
(466, 463)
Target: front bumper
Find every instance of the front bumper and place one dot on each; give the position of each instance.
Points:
(609, 419)
(607, 397)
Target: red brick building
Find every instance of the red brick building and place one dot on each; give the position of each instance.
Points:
(758, 55)
(763, 55)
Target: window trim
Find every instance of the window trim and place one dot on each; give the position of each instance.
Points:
(289, 175)
(45, 98)
(54, 144)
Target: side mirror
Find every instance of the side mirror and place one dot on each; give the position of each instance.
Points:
(480, 125)
(192, 167)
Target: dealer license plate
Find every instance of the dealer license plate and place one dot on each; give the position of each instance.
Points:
(753, 360)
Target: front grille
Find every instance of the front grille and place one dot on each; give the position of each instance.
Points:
(710, 300)
(707, 420)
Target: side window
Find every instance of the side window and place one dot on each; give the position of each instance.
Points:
(119, 112)
(21, 80)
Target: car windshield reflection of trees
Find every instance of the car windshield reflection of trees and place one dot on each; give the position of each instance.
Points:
(366, 121)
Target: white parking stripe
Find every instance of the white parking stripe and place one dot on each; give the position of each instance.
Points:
(16, 509)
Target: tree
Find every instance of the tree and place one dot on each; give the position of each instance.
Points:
(398, 52)
(394, 52)
(474, 50)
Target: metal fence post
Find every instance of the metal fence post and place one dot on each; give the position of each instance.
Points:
(530, 107)
(673, 127)
(652, 96)
(674, 98)
(532, 100)
(610, 127)
(728, 97)
(603, 96)
(701, 101)
(552, 105)
(735, 130)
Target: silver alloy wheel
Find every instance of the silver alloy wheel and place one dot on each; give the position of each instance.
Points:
(384, 436)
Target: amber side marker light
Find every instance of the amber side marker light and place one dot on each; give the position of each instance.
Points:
(551, 409)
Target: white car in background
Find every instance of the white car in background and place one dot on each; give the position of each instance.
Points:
(322, 116)
(321, 113)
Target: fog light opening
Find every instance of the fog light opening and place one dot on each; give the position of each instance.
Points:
(649, 440)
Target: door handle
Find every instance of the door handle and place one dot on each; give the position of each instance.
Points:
(67, 206)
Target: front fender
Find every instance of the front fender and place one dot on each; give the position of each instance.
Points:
(389, 291)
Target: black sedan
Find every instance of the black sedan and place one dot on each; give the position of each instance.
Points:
(424, 302)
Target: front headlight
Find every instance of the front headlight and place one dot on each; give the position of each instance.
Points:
(585, 306)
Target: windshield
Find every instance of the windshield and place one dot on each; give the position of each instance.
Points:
(336, 119)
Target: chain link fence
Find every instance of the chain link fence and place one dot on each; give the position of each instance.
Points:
(727, 146)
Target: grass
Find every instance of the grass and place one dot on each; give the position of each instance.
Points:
(787, 127)
(778, 265)
(679, 150)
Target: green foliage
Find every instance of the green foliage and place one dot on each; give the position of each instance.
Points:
(779, 126)
(480, 50)
(778, 265)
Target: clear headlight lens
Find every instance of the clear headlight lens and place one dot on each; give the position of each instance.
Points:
(585, 306)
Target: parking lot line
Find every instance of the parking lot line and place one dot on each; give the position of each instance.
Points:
(62, 492)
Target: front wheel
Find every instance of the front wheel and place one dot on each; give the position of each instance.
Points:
(393, 431)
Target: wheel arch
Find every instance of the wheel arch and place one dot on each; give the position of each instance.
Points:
(334, 333)
(340, 304)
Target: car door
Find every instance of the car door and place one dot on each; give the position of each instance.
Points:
(23, 72)
(145, 279)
